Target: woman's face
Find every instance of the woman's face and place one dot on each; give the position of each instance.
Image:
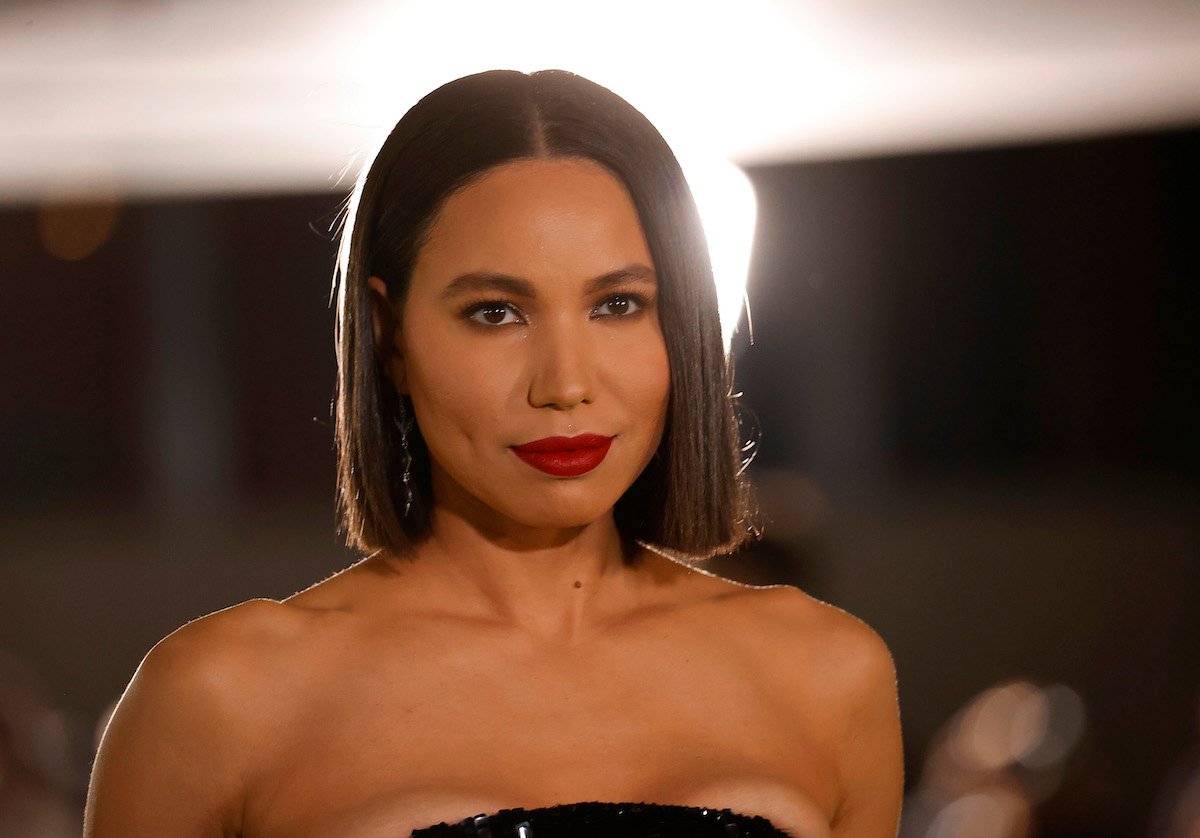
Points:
(532, 314)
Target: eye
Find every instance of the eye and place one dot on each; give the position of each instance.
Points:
(492, 313)
(620, 305)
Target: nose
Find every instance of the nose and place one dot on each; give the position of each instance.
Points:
(562, 366)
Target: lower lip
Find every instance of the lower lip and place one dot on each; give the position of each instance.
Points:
(569, 463)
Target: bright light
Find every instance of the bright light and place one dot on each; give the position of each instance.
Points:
(277, 95)
(698, 72)
(728, 210)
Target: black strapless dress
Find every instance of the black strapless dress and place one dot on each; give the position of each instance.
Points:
(607, 820)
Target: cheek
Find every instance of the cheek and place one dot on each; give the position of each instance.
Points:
(642, 375)
(456, 392)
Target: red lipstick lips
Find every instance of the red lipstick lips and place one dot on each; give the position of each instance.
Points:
(565, 456)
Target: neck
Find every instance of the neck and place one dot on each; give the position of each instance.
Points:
(554, 585)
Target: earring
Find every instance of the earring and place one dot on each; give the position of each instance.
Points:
(404, 424)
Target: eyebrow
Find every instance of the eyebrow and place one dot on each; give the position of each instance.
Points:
(517, 287)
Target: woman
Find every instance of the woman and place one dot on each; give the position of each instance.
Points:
(533, 404)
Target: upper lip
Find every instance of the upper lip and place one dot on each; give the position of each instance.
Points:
(552, 444)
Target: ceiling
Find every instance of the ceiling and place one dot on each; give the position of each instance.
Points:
(165, 97)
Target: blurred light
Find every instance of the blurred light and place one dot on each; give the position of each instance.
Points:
(1180, 817)
(990, 813)
(268, 95)
(1068, 718)
(36, 732)
(72, 229)
(728, 211)
(1002, 725)
(993, 760)
(658, 55)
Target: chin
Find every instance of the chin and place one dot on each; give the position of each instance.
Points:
(556, 511)
(529, 500)
(561, 518)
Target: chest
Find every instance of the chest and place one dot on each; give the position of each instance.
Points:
(381, 749)
(375, 793)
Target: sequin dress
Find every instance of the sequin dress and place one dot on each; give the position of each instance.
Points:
(607, 820)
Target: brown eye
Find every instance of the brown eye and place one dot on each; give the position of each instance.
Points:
(493, 314)
(618, 305)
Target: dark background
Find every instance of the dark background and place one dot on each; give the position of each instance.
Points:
(974, 374)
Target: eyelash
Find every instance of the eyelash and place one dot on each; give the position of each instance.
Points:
(641, 301)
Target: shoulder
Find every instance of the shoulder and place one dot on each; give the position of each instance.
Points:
(204, 665)
(182, 740)
(825, 656)
(849, 651)
(806, 636)
(222, 654)
(837, 669)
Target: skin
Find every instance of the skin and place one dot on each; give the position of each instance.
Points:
(516, 659)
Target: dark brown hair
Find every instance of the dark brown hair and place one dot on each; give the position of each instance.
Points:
(692, 497)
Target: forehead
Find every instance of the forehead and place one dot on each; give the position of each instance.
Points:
(530, 217)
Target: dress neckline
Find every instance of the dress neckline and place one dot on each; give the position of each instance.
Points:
(605, 818)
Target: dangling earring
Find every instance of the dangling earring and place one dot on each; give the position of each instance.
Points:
(404, 424)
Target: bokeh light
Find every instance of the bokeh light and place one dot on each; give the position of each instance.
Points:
(75, 229)
(991, 813)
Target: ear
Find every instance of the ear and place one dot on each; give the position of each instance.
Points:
(386, 329)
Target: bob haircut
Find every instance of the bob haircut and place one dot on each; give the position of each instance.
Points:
(691, 498)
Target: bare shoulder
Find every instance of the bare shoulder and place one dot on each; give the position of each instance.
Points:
(180, 745)
(830, 666)
(822, 639)
(220, 654)
(230, 664)
(838, 671)
(798, 639)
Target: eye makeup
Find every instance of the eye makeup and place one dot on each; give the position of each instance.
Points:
(491, 313)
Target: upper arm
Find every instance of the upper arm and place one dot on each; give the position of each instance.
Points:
(871, 757)
(174, 756)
